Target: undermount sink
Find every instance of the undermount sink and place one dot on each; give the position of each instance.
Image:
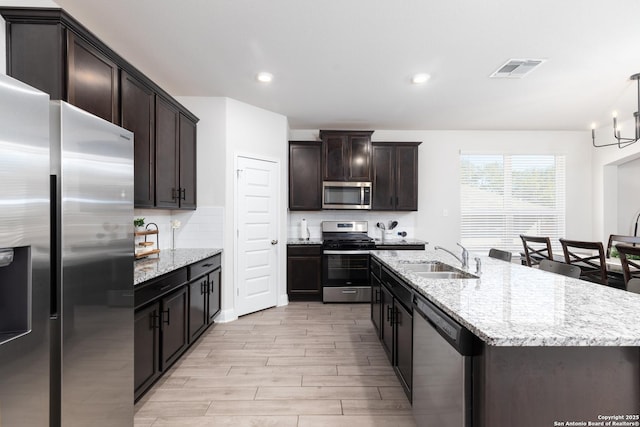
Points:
(437, 270)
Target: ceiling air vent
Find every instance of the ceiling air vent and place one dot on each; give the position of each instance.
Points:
(517, 68)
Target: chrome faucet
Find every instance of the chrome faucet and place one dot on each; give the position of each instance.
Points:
(464, 260)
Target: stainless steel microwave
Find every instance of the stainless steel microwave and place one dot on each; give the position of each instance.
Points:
(346, 195)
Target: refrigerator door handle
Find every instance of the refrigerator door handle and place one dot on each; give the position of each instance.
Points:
(54, 257)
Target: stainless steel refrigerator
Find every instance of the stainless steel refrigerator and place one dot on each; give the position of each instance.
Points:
(66, 264)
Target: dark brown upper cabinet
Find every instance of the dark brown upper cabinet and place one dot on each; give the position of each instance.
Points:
(51, 51)
(305, 175)
(44, 52)
(92, 79)
(175, 158)
(167, 155)
(187, 169)
(138, 116)
(347, 155)
(395, 176)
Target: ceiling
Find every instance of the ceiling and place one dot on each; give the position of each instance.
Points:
(347, 64)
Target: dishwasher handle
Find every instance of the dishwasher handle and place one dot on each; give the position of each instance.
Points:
(460, 338)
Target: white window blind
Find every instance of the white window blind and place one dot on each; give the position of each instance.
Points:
(503, 196)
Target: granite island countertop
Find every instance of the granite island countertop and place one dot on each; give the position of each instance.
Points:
(515, 305)
(167, 261)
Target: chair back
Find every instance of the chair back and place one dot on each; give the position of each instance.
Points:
(614, 239)
(560, 268)
(536, 249)
(633, 285)
(500, 254)
(630, 261)
(593, 265)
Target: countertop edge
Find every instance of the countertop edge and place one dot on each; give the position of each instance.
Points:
(524, 339)
(168, 261)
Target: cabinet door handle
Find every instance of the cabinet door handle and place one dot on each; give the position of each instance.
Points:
(173, 194)
(210, 286)
(154, 318)
(204, 287)
(183, 193)
(168, 312)
(388, 313)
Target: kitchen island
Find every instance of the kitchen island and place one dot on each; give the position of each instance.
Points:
(552, 350)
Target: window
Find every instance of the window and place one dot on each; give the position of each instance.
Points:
(503, 196)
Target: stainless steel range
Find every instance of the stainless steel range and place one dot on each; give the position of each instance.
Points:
(345, 261)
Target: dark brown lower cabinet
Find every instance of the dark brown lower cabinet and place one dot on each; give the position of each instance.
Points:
(173, 324)
(403, 324)
(215, 293)
(146, 347)
(160, 337)
(386, 301)
(304, 272)
(198, 293)
(172, 311)
(391, 307)
(376, 303)
(204, 302)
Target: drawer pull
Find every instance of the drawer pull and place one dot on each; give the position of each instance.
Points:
(162, 288)
(207, 265)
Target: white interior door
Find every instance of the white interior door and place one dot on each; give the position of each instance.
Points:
(257, 233)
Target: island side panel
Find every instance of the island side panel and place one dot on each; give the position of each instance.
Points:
(540, 386)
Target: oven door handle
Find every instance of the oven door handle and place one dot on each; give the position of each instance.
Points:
(345, 252)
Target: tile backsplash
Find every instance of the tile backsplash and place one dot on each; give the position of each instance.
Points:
(406, 221)
(202, 228)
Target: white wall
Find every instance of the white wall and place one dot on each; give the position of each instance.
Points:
(615, 185)
(439, 189)
(628, 196)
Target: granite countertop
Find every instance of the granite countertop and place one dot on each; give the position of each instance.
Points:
(299, 241)
(515, 305)
(399, 241)
(395, 242)
(167, 261)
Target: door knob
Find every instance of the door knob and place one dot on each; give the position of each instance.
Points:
(274, 242)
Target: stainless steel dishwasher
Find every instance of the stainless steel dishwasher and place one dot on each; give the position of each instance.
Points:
(442, 368)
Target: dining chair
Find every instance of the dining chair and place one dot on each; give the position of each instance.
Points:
(591, 260)
(560, 268)
(630, 261)
(634, 286)
(614, 239)
(536, 249)
(500, 254)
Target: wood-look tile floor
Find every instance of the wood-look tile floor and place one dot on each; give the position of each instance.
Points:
(304, 365)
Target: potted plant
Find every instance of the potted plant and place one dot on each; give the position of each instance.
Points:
(139, 224)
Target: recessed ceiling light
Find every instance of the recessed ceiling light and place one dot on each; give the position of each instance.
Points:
(420, 78)
(264, 77)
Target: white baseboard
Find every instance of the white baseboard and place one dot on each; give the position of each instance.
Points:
(226, 316)
(283, 300)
